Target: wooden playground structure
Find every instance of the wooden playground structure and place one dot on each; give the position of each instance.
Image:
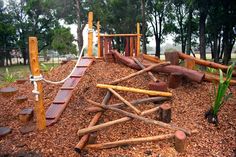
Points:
(158, 91)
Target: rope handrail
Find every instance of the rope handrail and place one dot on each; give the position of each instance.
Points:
(62, 81)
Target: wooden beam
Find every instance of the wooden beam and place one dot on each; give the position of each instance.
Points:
(124, 101)
(135, 90)
(35, 70)
(143, 67)
(145, 120)
(151, 58)
(132, 141)
(138, 73)
(118, 35)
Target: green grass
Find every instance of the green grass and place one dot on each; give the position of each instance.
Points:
(20, 71)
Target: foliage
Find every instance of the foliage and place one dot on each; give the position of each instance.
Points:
(8, 77)
(221, 96)
(62, 41)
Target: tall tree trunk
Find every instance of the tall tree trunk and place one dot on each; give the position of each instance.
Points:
(189, 30)
(79, 25)
(226, 43)
(182, 39)
(215, 50)
(202, 26)
(158, 45)
(144, 27)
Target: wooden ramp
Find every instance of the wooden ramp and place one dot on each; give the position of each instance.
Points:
(64, 94)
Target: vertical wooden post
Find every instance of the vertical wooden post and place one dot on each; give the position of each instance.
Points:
(90, 34)
(138, 39)
(106, 44)
(99, 46)
(131, 47)
(35, 70)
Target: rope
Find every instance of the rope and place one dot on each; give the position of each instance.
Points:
(34, 80)
(62, 81)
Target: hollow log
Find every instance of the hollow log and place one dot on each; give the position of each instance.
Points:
(134, 102)
(135, 90)
(124, 101)
(93, 122)
(110, 123)
(190, 74)
(143, 67)
(145, 120)
(211, 78)
(132, 141)
(173, 57)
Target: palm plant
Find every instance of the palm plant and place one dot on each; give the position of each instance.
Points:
(220, 96)
(7, 77)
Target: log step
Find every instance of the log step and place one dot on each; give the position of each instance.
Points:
(21, 99)
(8, 91)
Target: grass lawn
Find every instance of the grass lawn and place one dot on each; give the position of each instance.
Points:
(20, 71)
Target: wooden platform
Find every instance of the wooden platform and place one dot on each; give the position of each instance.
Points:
(64, 94)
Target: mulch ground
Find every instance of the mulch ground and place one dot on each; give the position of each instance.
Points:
(189, 103)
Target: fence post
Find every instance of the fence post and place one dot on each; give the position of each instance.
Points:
(138, 39)
(99, 46)
(90, 34)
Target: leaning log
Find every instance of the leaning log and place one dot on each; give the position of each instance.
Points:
(84, 139)
(135, 90)
(134, 102)
(151, 58)
(132, 141)
(188, 73)
(145, 120)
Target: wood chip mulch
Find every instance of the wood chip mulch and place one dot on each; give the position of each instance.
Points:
(189, 103)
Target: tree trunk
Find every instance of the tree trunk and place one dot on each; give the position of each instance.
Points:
(144, 28)
(189, 30)
(79, 24)
(158, 45)
(226, 45)
(215, 49)
(202, 26)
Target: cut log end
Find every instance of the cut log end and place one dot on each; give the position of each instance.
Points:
(180, 141)
(173, 57)
(175, 80)
(78, 150)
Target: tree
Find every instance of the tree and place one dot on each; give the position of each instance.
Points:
(144, 26)
(158, 12)
(62, 41)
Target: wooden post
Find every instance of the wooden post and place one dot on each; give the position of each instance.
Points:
(102, 46)
(173, 57)
(165, 113)
(90, 34)
(180, 140)
(131, 47)
(127, 48)
(138, 39)
(105, 45)
(189, 63)
(175, 80)
(99, 46)
(35, 70)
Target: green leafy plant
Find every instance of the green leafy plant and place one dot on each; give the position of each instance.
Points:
(8, 77)
(220, 96)
(44, 67)
(211, 70)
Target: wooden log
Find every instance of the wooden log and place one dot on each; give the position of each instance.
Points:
(124, 101)
(145, 120)
(211, 78)
(92, 138)
(84, 138)
(26, 115)
(132, 141)
(143, 67)
(180, 141)
(137, 73)
(158, 86)
(110, 123)
(172, 57)
(151, 58)
(134, 102)
(21, 99)
(175, 80)
(188, 73)
(109, 58)
(165, 113)
(135, 90)
(204, 62)
(189, 63)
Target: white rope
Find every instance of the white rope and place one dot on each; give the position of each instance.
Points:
(62, 81)
(35, 91)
